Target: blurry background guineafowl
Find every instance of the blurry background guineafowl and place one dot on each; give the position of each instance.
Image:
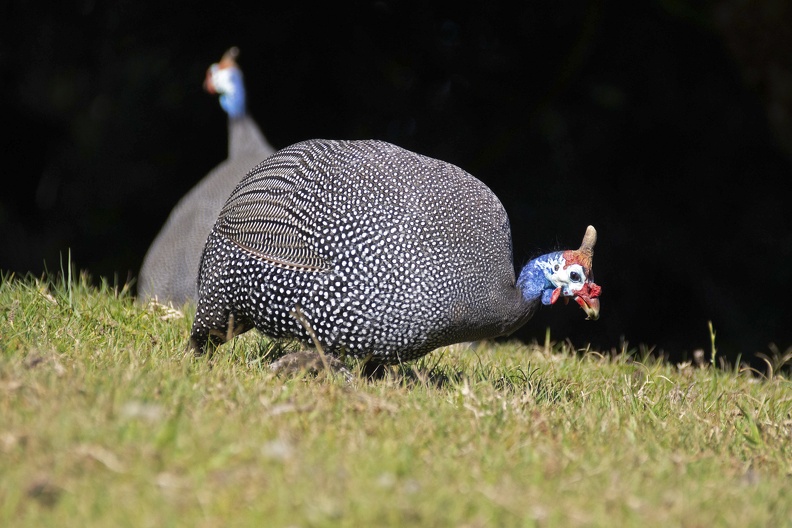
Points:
(381, 252)
(170, 268)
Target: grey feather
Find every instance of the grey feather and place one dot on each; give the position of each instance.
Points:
(170, 268)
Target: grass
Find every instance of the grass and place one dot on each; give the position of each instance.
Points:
(104, 421)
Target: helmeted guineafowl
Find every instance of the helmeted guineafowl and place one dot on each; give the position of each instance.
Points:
(170, 266)
(382, 252)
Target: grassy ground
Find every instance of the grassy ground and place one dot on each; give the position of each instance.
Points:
(105, 422)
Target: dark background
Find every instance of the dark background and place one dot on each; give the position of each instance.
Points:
(666, 124)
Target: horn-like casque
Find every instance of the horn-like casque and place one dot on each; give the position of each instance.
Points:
(589, 239)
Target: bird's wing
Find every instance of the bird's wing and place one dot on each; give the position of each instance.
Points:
(268, 216)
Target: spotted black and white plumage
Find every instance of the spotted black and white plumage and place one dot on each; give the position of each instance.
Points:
(385, 252)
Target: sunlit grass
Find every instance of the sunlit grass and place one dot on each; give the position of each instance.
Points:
(105, 421)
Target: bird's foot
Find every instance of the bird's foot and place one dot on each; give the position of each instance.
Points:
(310, 361)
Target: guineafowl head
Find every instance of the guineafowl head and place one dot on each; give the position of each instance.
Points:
(225, 78)
(564, 274)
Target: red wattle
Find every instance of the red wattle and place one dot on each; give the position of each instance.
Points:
(556, 295)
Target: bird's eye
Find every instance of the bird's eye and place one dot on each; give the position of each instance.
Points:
(556, 267)
(575, 276)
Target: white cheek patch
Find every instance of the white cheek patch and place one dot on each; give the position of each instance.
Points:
(552, 267)
(558, 273)
(221, 78)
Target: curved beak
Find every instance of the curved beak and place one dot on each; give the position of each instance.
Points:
(588, 299)
(590, 305)
(208, 83)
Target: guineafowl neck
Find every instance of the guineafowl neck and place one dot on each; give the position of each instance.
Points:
(532, 281)
(245, 137)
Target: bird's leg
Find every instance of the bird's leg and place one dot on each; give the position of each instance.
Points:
(310, 361)
(203, 340)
